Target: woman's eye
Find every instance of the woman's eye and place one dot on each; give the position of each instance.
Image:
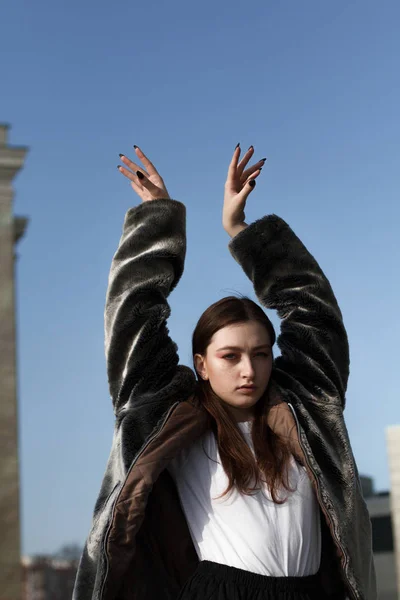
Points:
(258, 353)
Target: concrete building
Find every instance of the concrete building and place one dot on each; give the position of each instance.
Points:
(393, 448)
(11, 230)
(379, 507)
(46, 578)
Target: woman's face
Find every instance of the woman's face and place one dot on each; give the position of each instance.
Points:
(238, 355)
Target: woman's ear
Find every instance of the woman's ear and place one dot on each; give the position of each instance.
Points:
(200, 366)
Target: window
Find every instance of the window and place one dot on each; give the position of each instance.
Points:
(382, 534)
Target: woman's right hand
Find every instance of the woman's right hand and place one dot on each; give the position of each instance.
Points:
(148, 184)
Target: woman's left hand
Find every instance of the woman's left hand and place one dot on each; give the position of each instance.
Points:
(238, 186)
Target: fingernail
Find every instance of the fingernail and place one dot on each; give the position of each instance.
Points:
(250, 147)
(134, 146)
(264, 159)
(140, 175)
(118, 166)
(252, 182)
(121, 155)
(237, 145)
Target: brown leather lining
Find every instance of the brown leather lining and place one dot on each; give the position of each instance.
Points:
(281, 421)
(185, 424)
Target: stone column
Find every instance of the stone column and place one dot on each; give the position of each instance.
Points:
(11, 229)
(393, 449)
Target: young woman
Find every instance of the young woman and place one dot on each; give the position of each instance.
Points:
(239, 483)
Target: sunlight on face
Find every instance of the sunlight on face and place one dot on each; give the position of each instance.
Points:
(239, 354)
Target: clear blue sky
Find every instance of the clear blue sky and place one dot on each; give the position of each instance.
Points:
(313, 85)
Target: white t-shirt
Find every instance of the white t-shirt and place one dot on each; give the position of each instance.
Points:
(247, 532)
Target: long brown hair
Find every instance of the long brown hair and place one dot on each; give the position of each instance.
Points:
(271, 452)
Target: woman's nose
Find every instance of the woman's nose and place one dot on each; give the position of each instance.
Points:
(247, 367)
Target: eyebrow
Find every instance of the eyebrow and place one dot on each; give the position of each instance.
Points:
(238, 348)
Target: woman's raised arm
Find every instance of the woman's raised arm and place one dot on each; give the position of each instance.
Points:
(142, 360)
(288, 279)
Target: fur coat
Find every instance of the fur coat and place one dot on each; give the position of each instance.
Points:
(139, 546)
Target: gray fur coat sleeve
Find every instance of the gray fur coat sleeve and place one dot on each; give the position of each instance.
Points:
(314, 359)
(142, 360)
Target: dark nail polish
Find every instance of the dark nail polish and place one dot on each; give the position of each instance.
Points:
(237, 145)
(264, 159)
(118, 166)
(252, 182)
(134, 146)
(140, 175)
(250, 148)
(121, 155)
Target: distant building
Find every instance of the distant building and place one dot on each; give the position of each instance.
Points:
(382, 540)
(46, 578)
(393, 449)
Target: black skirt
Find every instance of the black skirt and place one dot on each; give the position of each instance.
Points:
(213, 581)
